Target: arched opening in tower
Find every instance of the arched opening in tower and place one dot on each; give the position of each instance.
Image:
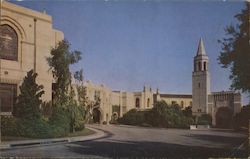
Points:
(96, 115)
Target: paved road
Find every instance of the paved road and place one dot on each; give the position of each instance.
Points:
(129, 141)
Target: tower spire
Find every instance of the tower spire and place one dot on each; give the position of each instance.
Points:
(201, 48)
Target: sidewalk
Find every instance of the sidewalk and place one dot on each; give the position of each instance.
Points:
(11, 144)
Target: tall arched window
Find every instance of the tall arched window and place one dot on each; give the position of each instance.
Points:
(8, 43)
(205, 66)
(148, 102)
(182, 104)
(137, 103)
(200, 66)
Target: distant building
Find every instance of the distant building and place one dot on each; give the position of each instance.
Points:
(26, 38)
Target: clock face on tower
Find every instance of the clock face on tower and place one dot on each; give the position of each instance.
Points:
(8, 43)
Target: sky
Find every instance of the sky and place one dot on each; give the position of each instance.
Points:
(127, 44)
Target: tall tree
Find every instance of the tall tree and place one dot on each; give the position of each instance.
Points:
(235, 51)
(28, 101)
(59, 62)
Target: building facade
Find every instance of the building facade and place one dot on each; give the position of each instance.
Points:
(26, 38)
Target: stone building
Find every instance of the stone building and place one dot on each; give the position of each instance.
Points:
(205, 101)
(116, 103)
(183, 100)
(26, 38)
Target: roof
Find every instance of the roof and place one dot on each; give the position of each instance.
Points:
(224, 92)
(176, 95)
(201, 49)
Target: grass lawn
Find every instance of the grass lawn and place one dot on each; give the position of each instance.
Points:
(84, 132)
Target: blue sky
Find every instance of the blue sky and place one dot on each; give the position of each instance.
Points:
(127, 44)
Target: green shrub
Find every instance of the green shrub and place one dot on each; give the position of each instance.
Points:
(8, 126)
(38, 128)
(204, 119)
(60, 122)
(34, 129)
(133, 117)
(161, 115)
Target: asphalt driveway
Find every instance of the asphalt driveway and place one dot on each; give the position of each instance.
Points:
(130, 141)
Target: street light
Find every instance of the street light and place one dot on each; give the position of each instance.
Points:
(1, 2)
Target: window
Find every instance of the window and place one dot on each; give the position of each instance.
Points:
(97, 95)
(124, 109)
(182, 104)
(199, 66)
(137, 103)
(8, 43)
(148, 102)
(199, 84)
(7, 97)
(205, 66)
(173, 102)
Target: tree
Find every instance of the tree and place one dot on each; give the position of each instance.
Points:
(242, 118)
(59, 62)
(224, 117)
(28, 101)
(235, 51)
(64, 105)
(187, 111)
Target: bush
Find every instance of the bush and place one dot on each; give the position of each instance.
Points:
(104, 123)
(9, 126)
(241, 119)
(38, 128)
(35, 129)
(224, 117)
(161, 115)
(133, 117)
(204, 119)
(60, 122)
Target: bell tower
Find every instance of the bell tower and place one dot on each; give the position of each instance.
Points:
(200, 81)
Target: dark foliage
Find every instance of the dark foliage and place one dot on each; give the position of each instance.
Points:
(28, 101)
(224, 117)
(235, 52)
(204, 119)
(161, 115)
(242, 119)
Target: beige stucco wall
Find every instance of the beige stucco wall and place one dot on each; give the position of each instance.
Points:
(36, 37)
(186, 101)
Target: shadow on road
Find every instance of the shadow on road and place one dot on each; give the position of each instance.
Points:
(130, 149)
(229, 140)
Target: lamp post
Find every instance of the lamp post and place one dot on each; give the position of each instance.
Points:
(0, 74)
(1, 3)
(249, 138)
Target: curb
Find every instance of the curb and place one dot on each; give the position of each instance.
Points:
(40, 142)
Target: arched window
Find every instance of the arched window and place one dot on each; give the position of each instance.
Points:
(182, 104)
(199, 66)
(205, 66)
(148, 102)
(8, 43)
(137, 103)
